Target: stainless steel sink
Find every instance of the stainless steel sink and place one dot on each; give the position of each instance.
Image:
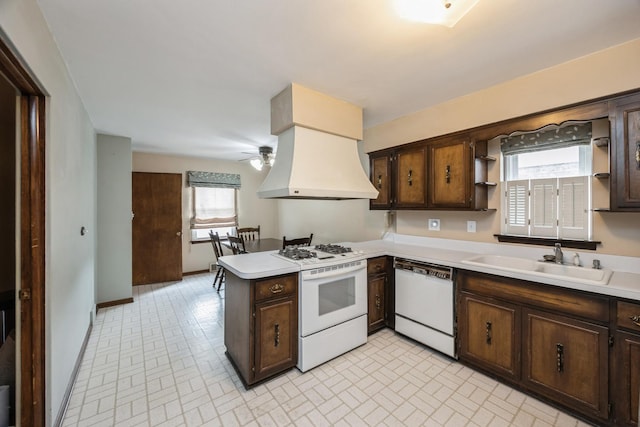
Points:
(542, 269)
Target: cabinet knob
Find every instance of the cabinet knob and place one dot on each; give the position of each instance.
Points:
(410, 178)
(380, 182)
(488, 331)
(378, 301)
(447, 174)
(276, 328)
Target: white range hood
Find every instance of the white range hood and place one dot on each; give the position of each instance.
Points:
(317, 148)
(316, 165)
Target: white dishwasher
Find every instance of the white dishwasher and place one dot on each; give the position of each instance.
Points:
(425, 304)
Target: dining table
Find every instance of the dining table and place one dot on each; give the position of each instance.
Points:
(259, 245)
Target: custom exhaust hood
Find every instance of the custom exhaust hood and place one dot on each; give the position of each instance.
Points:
(317, 148)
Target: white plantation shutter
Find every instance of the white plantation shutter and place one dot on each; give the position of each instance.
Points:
(517, 220)
(574, 207)
(544, 207)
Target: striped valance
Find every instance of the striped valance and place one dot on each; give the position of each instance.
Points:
(213, 179)
(566, 135)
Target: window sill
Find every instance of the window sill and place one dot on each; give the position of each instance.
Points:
(544, 241)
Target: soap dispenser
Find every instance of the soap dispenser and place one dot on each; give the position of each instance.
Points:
(576, 260)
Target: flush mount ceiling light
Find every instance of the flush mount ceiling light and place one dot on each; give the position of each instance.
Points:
(439, 12)
(266, 158)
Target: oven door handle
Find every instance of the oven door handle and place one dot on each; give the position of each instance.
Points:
(332, 271)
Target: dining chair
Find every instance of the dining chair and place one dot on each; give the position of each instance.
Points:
(303, 241)
(237, 244)
(217, 251)
(248, 233)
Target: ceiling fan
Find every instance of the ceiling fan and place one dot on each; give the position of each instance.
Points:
(265, 157)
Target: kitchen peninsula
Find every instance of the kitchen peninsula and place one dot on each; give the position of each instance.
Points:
(476, 285)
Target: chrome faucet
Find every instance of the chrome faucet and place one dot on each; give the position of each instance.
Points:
(558, 254)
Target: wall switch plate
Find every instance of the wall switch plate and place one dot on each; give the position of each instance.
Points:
(434, 224)
(471, 226)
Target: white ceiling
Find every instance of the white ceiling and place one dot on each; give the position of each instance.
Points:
(195, 77)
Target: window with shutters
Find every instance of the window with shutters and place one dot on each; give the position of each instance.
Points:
(546, 183)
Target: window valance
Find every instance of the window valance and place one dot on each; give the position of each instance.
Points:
(566, 135)
(213, 179)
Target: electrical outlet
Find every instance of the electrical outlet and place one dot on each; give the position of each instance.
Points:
(434, 224)
(471, 226)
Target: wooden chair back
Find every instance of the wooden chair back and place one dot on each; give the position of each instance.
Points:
(217, 246)
(303, 241)
(237, 244)
(248, 233)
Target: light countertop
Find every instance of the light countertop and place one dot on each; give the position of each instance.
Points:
(624, 282)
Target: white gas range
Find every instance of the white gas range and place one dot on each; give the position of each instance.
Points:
(332, 295)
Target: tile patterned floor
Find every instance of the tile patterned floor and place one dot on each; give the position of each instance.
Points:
(160, 362)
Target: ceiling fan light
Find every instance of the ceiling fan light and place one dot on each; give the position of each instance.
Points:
(257, 163)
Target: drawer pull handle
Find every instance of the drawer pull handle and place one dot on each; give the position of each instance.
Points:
(560, 357)
(635, 320)
(276, 289)
(277, 334)
(488, 329)
(447, 174)
(378, 301)
(410, 178)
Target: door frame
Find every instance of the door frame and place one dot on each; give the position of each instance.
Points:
(32, 235)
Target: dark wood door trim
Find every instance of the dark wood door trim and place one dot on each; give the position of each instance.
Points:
(32, 236)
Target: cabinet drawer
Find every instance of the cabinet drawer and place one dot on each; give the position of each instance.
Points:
(377, 265)
(628, 316)
(276, 287)
(589, 306)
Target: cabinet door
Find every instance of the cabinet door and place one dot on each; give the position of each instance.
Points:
(381, 179)
(487, 333)
(567, 360)
(276, 337)
(410, 178)
(626, 382)
(625, 154)
(376, 302)
(450, 174)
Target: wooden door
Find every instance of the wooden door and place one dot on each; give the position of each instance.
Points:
(276, 340)
(489, 334)
(157, 227)
(381, 180)
(411, 191)
(376, 303)
(626, 383)
(450, 171)
(625, 154)
(567, 360)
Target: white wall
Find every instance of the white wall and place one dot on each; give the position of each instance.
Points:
(252, 211)
(114, 244)
(70, 197)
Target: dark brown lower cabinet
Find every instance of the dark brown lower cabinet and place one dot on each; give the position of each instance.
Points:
(261, 325)
(627, 369)
(567, 360)
(546, 340)
(489, 335)
(379, 292)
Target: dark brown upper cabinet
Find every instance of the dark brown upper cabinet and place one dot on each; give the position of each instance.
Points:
(624, 116)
